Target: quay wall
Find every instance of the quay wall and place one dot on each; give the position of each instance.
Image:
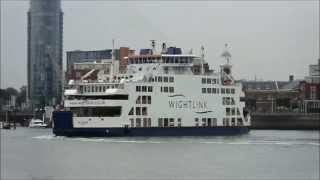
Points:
(288, 121)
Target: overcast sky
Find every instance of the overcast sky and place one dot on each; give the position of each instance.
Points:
(269, 39)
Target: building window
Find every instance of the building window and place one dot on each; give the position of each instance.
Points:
(171, 79)
(313, 92)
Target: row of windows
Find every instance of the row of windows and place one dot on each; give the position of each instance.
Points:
(162, 79)
(167, 89)
(139, 111)
(227, 90)
(143, 100)
(144, 88)
(169, 122)
(210, 90)
(209, 81)
(181, 60)
(232, 111)
(228, 101)
(232, 122)
(98, 88)
(206, 122)
(140, 122)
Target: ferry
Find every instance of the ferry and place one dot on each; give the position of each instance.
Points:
(160, 94)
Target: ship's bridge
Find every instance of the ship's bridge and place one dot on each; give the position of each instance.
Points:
(169, 59)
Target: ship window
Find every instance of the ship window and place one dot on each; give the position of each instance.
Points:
(214, 122)
(208, 81)
(138, 88)
(171, 89)
(138, 111)
(131, 111)
(233, 111)
(203, 80)
(144, 99)
(138, 122)
(197, 121)
(138, 101)
(223, 90)
(233, 121)
(149, 99)
(161, 89)
(171, 124)
(165, 89)
(217, 90)
(209, 90)
(144, 111)
(149, 88)
(232, 91)
(165, 79)
(145, 122)
(203, 90)
(228, 111)
(214, 90)
(228, 91)
(160, 122)
(239, 122)
(238, 112)
(113, 111)
(232, 101)
(171, 79)
(144, 88)
(209, 122)
(204, 122)
(165, 122)
(159, 79)
(224, 122)
(179, 122)
(214, 81)
(149, 122)
(132, 122)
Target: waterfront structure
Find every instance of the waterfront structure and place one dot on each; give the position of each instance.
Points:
(45, 37)
(272, 96)
(310, 95)
(97, 56)
(158, 95)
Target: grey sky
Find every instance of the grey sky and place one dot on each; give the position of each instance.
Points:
(269, 39)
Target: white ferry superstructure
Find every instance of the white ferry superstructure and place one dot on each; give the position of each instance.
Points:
(159, 95)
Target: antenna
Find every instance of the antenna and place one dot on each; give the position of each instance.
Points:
(226, 53)
(202, 59)
(112, 58)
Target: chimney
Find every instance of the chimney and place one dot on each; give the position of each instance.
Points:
(291, 78)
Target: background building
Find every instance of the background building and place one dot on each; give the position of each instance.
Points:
(45, 29)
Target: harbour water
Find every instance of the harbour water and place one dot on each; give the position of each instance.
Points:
(261, 154)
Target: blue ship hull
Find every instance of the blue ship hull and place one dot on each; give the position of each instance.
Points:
(63, 127)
